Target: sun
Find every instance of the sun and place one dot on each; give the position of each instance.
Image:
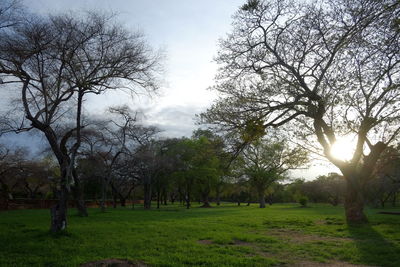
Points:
(343, 148)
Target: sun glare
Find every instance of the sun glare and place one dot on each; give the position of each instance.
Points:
(343, 148)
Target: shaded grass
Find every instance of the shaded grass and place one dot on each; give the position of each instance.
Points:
(237, 236)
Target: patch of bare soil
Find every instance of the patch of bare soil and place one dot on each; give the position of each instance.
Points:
(114, 263)
(298, 237)
(205, 242)
(330, 264)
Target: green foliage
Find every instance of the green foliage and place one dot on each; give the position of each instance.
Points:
(253, 130)
(303, 200)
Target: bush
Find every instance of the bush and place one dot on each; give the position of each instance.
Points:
(303, 201)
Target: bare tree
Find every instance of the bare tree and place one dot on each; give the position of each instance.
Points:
(328, 68)
(58, 61)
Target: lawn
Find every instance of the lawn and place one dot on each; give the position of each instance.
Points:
(221, 236)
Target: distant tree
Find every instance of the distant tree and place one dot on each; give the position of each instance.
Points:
(329, 188)
(321, 68)
(267, 161)
(59, 60)
(386, 182)
(10, 168)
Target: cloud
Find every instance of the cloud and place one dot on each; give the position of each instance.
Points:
(174, 120)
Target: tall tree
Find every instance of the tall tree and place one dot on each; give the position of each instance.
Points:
(57, 61)
(327, 68)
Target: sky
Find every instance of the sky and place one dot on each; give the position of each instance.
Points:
(188, 31)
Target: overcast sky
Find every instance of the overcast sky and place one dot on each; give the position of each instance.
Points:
(188, 31)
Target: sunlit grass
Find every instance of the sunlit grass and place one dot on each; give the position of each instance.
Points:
(220, 236)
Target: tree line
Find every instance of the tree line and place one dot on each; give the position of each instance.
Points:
(298, 71)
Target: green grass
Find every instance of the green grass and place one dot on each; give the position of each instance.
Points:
(232, 236)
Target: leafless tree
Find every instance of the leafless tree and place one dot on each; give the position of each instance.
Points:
(57, 61)
(328, 68)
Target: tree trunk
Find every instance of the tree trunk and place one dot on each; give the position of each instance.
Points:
(133, 199)
(261, 199)
(122, 200)
(158, 198)
(188, 201)
(78, 196)
(354, 203)
(103, 194)
(114, 196)
(147, 196)
(206, 202)
(165, 197)
(59, 211)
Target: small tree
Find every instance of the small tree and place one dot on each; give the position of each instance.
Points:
(267, 161)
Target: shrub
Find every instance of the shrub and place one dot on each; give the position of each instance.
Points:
(303, 201)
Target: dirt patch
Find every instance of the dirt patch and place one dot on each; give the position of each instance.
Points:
(330, 264)
(298, 237)
(205, 242)
(244, 243)
(114, 263)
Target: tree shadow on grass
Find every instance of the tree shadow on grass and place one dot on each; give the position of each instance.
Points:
(374, 248)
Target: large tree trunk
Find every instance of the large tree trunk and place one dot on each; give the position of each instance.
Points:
(59, 211)
(261, 199)
(354, 203)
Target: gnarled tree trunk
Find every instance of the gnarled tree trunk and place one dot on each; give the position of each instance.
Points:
(354, 203)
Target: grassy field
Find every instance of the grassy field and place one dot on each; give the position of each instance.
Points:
(220, 236)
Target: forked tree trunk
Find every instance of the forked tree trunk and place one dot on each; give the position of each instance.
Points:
(354, 203)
